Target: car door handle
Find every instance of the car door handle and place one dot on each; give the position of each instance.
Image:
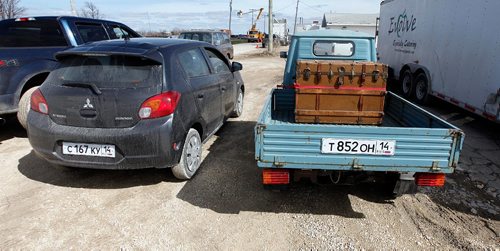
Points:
(200, 96)
(223, 88)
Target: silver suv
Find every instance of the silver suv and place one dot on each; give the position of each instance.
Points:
(219, 39)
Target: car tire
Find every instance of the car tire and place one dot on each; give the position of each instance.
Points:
(25, 106)
(238, 105)
(190, 157)
(406, 81)
(421, 90)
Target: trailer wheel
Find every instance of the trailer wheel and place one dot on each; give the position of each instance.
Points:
(406, 80)
(421, 89)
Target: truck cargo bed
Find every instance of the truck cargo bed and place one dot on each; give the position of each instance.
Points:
(424, 142)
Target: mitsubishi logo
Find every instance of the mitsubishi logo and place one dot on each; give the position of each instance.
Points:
(88, 105)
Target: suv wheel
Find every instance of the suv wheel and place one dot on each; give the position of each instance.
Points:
(24, 107)
(238, 106)
(190, 158)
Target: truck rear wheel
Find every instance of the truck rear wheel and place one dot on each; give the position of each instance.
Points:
(406, 80)
(421, 89)
(24, 107)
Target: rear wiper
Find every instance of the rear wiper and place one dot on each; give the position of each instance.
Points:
(92, 86)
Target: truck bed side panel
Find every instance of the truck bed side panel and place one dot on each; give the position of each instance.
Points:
(424, 142)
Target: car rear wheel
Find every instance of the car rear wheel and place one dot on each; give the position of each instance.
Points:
(24, 107)
(190, 158)
(238, 106)
(406, 80)
(421, 89)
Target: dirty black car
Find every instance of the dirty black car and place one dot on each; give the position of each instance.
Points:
(134, 103)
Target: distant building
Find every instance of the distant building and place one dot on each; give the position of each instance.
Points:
(350, 21)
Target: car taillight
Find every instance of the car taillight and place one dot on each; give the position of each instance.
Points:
(275, 177)
(38, 102)
(24, 19)
(430, 179)
(8, 62)
(160, 105)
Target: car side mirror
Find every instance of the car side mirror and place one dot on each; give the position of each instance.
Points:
(236, 66)
(217, 42)
(283, 54)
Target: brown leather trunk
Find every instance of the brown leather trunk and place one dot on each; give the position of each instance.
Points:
(336, 73)
(340, 92)
(328, 105)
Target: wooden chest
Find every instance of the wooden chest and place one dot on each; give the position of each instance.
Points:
(335, 73)
(339, 106)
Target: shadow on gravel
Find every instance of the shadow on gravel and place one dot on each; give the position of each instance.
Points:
(229, 182)
(40, 170)
(11, 129)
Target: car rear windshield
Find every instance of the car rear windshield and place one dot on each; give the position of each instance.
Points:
(35, 33)
(115, 71)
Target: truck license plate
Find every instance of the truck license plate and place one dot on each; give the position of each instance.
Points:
(356, 146)
(88, 149)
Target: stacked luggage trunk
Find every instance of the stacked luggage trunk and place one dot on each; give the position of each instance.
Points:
(340, 92)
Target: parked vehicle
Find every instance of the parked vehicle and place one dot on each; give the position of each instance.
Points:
(27, 47)
(134, 103)
(276, 41)
(444, 49)
(412, 146)
(220, 39)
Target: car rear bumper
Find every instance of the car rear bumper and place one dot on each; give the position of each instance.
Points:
(145, 145)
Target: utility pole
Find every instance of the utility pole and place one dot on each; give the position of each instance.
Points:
(270, 39)
(73, 9)
(295, 24)
(230, 13)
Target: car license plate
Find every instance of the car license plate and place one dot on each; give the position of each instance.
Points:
(356, 146)
(98, 150)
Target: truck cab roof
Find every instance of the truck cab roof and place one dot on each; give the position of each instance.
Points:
(334, 33)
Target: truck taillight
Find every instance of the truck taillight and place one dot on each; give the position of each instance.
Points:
(275, 177)
(38, 102)
(24, 19)
(430, 179)
(160, 105)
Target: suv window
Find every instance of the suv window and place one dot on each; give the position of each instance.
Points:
(91, 32)
(218, 63)
(116, 71)
(194, 63)
(39, 33)
(198, 36)
(120, 32)
(226, 38)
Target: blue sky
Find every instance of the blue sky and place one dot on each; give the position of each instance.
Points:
(145, 15)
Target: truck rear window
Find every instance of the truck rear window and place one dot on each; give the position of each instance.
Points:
(116, 71)
(333, 48)
(36, 33)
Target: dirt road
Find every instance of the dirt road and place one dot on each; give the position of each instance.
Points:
(225, 207)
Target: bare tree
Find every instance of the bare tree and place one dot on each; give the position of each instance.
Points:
(10, 9)
(90, 10)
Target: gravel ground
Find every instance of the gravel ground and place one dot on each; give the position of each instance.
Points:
(225, 207)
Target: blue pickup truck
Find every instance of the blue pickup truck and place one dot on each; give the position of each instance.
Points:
(424, 147)
(27, 47)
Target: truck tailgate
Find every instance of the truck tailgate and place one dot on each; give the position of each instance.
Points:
(424, 142)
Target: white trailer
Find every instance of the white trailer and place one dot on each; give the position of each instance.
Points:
(280, 28)
(449, 49)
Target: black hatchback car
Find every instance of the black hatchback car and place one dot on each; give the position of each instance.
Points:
(134, 103)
